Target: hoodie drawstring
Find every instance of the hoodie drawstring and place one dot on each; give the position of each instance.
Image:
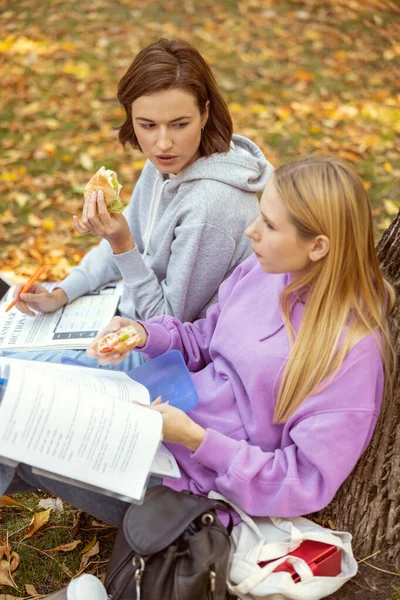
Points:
(154, 204)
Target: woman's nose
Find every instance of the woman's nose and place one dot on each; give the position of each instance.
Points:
(164, 141)
(251, 230)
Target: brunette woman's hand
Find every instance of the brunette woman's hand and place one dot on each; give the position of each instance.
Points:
(113, 358)
(178, 427)
(113, 227)
(38, 299)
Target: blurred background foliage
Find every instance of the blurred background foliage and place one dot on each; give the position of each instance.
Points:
(300, 77)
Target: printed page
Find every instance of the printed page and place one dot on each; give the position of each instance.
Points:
(164, 464)
(64, 420)
(72, 326)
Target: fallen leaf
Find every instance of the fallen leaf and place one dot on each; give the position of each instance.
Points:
(34, 220)
(8, 597)
(100, 524)
(85, 558)
(5, 574)
(67, 571)
(38, 520)
(89, 546)
(86, 161)
(31, 590)
(15, 560)
(67, 547)
(76, 524)
(7, 501)
(52, 503)
(391, 207)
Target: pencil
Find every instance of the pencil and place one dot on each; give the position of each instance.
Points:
(28, 285)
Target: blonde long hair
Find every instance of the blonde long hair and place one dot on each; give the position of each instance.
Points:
(347, 297)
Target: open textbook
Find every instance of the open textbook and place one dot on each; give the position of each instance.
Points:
(72, 326)
(88, 426)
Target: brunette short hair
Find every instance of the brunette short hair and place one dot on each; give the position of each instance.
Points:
(171, 64)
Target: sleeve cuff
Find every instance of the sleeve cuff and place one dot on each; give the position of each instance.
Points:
(158, 340)
(131, 266)
(217, 451)
(75, 285)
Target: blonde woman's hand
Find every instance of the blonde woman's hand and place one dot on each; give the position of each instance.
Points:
(113, 227)
(113, 358)
(178, 427)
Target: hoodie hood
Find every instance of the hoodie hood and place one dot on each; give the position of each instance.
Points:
(243, 167)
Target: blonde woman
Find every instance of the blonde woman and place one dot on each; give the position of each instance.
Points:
(290, 365)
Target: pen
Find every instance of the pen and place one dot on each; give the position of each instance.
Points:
(28, 285)
(3, 383)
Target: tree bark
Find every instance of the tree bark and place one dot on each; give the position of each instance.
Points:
(368, 503)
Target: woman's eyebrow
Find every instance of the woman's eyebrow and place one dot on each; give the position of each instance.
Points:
(151, 121)
(267, 218)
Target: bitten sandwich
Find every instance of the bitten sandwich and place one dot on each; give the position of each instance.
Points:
(106, 180)
(122, 340)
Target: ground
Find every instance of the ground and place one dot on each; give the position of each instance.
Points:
(300, 77)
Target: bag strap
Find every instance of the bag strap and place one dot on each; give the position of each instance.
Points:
(260, 575)
(265, 550)
(271, 550)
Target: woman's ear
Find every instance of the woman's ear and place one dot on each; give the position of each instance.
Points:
(204, 116)
(320, 248)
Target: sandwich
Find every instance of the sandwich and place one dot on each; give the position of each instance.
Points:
(123, 340)
(106, 180)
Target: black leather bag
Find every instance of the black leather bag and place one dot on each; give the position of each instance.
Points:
(171, 547)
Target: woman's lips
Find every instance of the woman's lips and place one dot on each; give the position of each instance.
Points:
(166, 159)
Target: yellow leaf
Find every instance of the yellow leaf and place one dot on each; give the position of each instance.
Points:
(89, 546)
(391, 207)
(312, 35)
(235, 107)
(80, 69)
(138, 164)
(282, 112)
(48, 224)
(388, 167)
(314, 129)
(38, 520)
(7, 501)
(68, 547)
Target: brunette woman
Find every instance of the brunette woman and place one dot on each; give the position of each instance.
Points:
(182, 232)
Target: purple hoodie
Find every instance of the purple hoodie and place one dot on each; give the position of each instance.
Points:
(236, 355)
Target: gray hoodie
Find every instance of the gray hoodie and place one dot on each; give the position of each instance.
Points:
(189, 235)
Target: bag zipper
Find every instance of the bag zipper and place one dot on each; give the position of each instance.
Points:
(130, 558)
(212, 576)
(138, 575)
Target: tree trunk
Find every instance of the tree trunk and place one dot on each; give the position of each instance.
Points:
(368, 503)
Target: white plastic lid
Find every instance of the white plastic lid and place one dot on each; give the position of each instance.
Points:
(86, 587)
